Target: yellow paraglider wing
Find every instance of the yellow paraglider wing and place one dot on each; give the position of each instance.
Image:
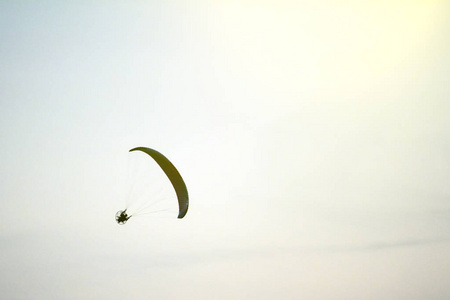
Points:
(174, 177)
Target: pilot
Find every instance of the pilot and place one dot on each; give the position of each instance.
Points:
(123, 217)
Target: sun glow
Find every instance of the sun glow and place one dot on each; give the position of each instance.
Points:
(289, 52)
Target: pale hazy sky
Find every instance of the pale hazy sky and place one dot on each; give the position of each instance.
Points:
(313, 136)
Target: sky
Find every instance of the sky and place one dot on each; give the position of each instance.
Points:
(313, 137)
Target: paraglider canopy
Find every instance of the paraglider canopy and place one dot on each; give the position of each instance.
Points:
(174, 177)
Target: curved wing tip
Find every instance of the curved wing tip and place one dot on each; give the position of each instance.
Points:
(143, 149)
(182, 214)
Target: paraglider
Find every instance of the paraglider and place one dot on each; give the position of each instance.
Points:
(122, 217)
(175, 179)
